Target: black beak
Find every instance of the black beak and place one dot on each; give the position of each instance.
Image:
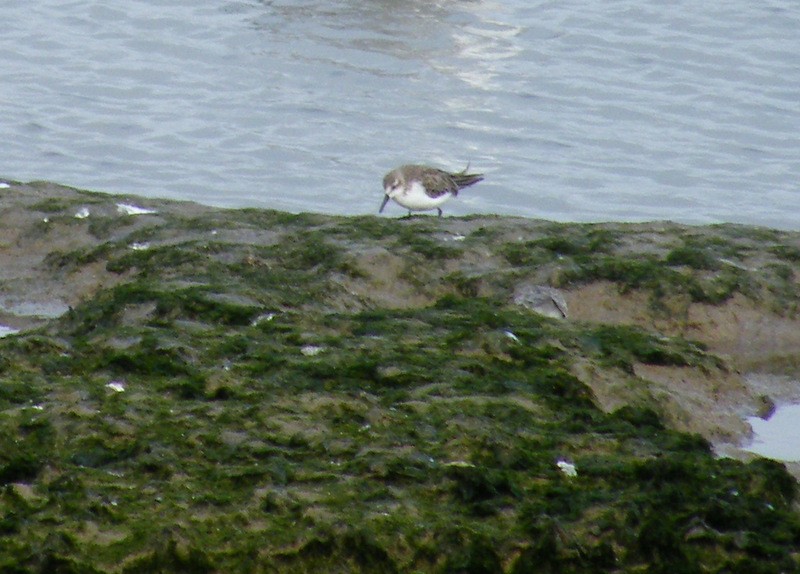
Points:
(385, 201)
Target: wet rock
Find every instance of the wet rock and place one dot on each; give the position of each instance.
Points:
(542, 299)
(299, 392)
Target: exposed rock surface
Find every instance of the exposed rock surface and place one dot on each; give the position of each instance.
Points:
(364, 394)
(733, 288)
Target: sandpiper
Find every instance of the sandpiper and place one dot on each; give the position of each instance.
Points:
(420, 188)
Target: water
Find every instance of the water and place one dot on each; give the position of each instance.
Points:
(5, 331)
(577, 111)
(779, 436)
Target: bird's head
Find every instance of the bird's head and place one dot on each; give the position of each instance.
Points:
(393, 182)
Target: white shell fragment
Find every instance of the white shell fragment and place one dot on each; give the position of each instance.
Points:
(262, 318)
(311, 350)
(129, 209)
(116, 386)
(567, 468)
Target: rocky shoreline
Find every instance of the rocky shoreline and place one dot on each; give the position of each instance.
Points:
(278, 392)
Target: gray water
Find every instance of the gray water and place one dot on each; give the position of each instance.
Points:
(576, 111)
(779, 436)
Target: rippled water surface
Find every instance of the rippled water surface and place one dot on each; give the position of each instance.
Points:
(575, 110)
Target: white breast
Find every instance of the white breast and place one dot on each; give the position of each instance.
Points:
(416, 199)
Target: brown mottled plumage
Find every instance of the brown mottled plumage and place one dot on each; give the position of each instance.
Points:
(419, 187)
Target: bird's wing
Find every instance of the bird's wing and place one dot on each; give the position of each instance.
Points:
(439, 182)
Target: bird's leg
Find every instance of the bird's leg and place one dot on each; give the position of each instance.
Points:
(439, 209)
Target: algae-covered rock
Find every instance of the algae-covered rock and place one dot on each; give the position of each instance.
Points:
(256, 391)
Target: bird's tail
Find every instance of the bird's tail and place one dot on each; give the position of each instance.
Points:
(464, 179)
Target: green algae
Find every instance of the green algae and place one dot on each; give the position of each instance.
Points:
(157, 259)
(693, 257)
(705, 267)
(465, 449)
(259, 431)
(21, 459)
(621, 346)
(106, 227)
(562, 241)
(786, 252)
(419, 240)
(67, 261)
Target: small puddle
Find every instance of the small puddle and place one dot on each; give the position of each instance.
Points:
(777, 437)
(6, 331)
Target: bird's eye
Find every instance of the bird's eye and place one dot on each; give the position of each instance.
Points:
(396, 184)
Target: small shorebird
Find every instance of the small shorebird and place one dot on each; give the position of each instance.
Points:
(420, 188)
